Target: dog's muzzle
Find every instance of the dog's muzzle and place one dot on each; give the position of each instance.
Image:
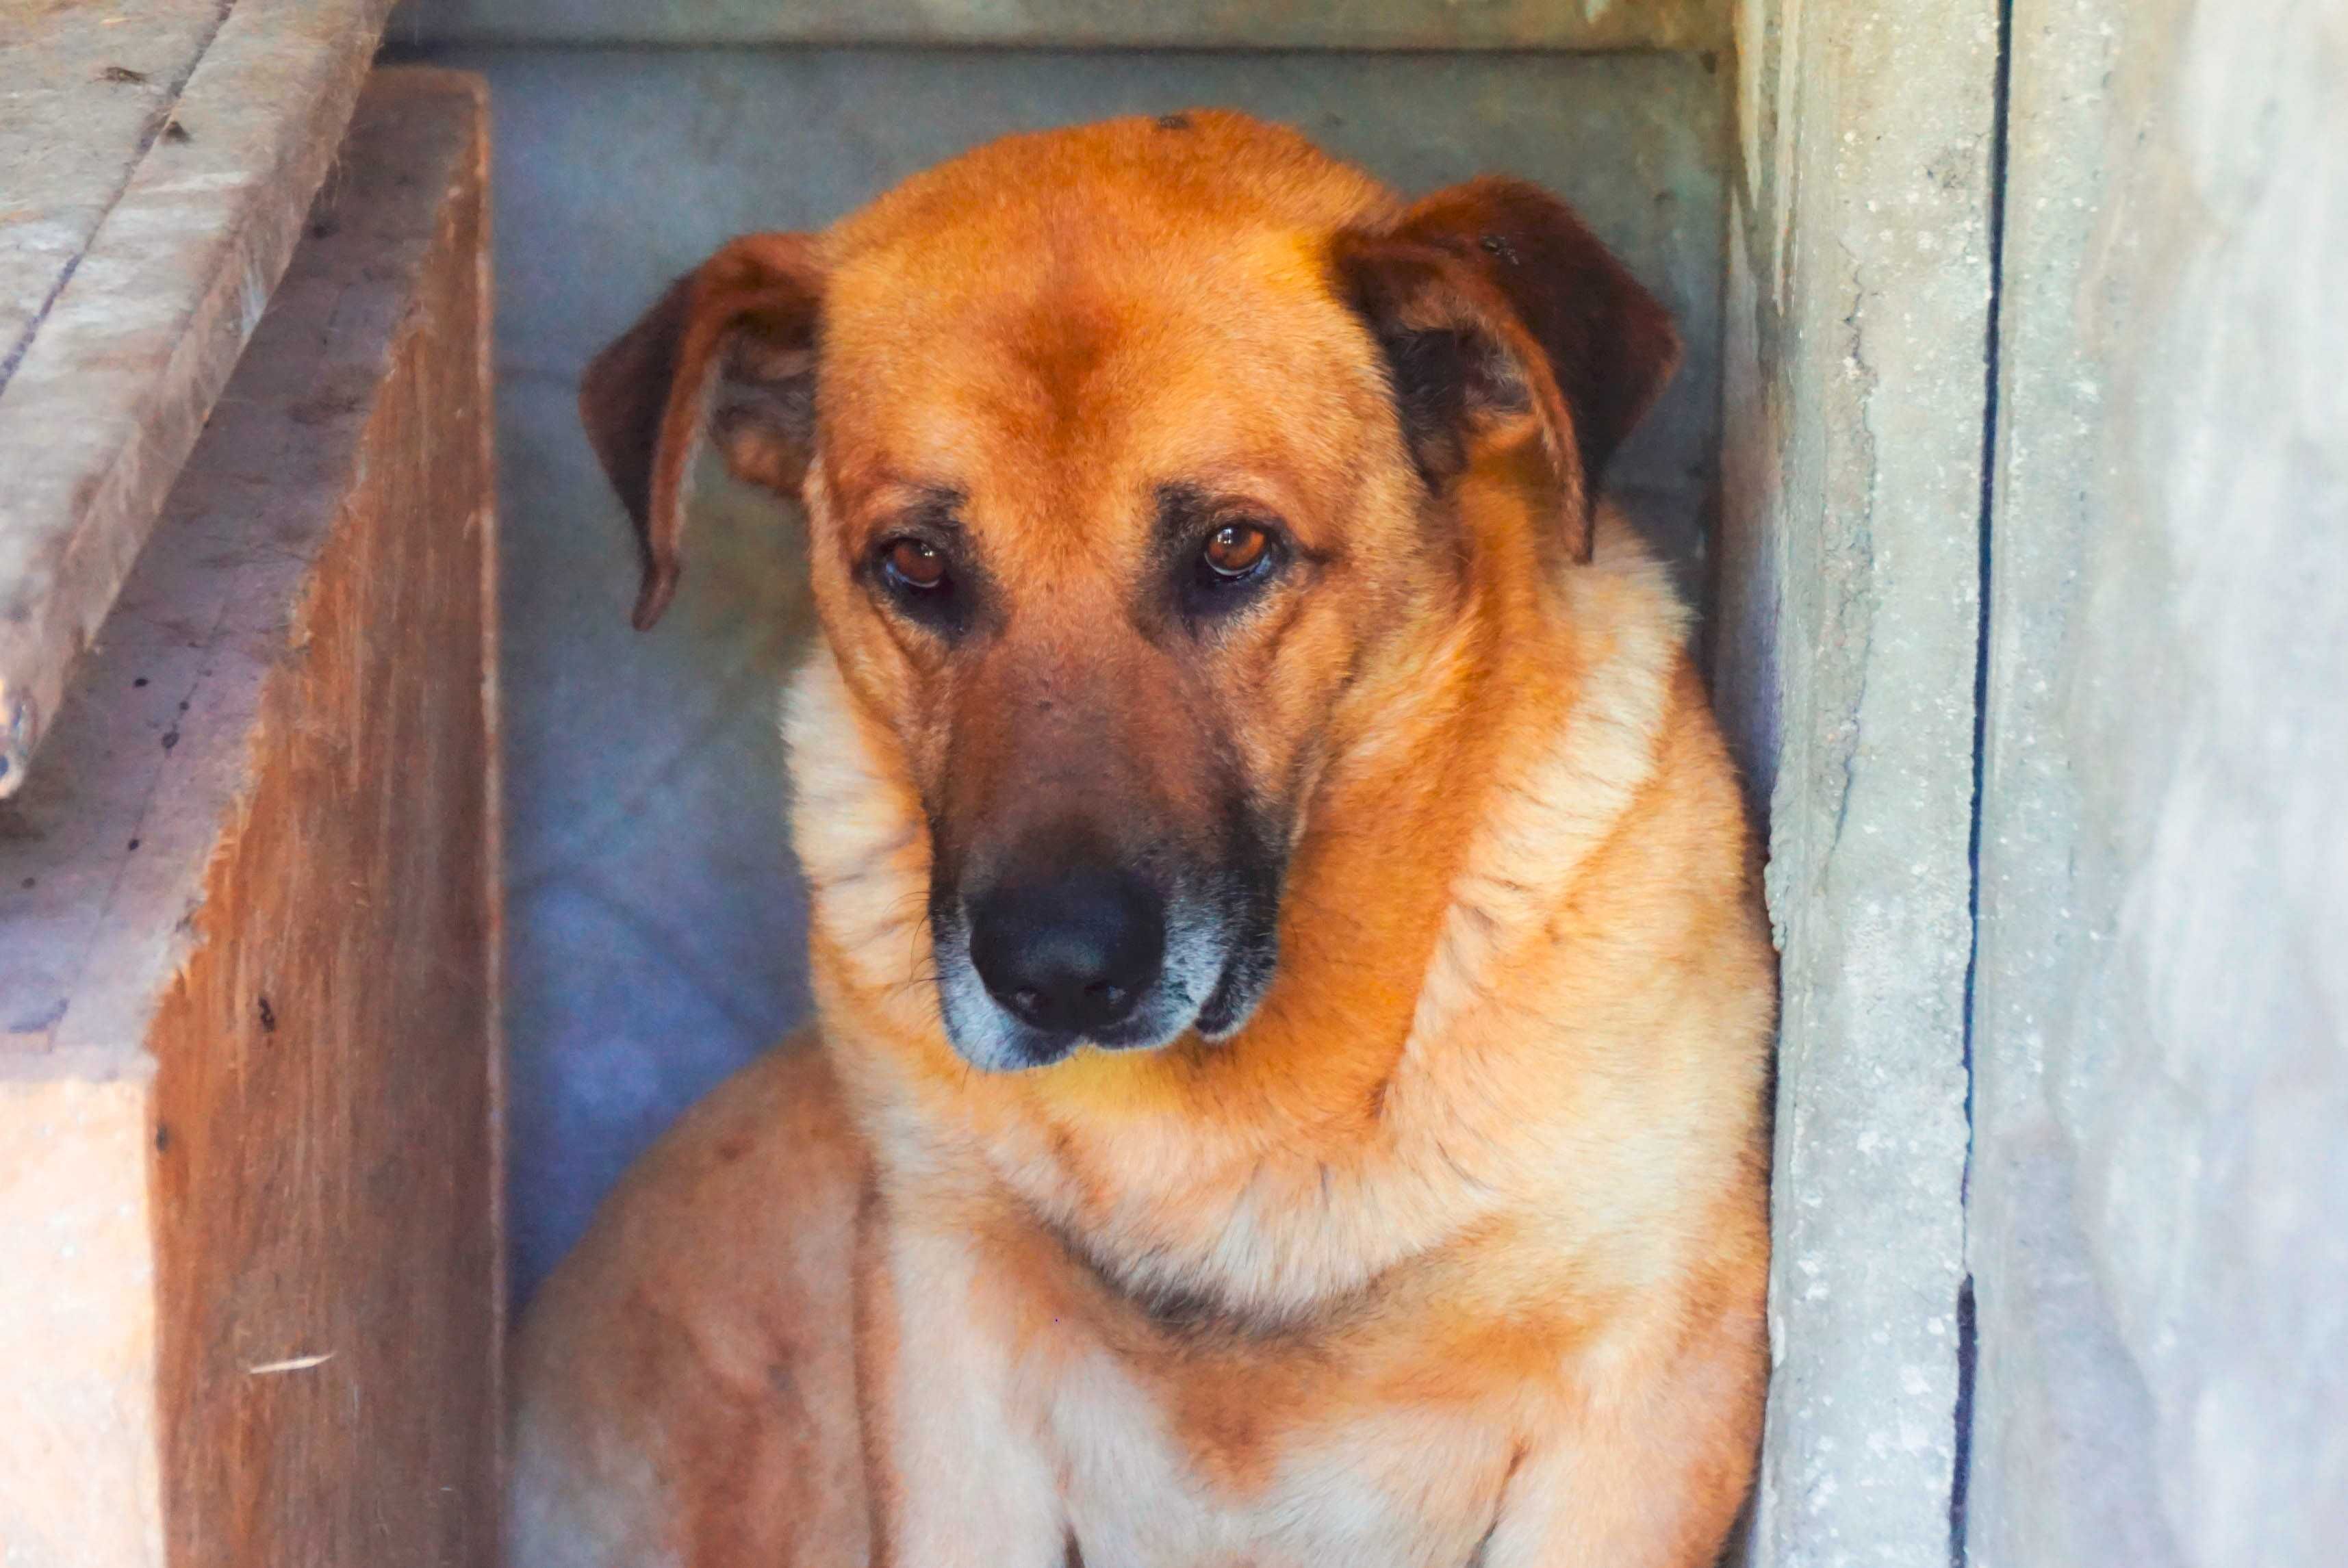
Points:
(1084, 951)
(1071, 955)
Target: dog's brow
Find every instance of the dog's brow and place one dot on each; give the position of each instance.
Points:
(1185, 508)
(935, 506)
(1182, 507)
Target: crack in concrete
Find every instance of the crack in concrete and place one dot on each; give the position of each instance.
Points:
(1968, 1346)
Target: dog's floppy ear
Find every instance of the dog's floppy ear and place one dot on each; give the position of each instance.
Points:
(1494, 305)
(728, 352)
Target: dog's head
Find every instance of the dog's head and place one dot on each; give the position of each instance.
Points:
(1128, 453)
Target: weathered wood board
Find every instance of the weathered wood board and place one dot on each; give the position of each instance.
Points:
(156, 159)
(249, 910)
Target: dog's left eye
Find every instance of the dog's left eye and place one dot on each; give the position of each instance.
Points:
(1238, 554)
(1234, 560)
(1235, 549)
(1223, 553)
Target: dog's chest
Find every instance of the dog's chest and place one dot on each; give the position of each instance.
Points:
(1221, 1475)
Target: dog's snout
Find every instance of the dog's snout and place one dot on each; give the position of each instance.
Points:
(1071, 953)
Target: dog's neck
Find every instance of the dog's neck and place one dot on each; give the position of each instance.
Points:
(1414, 897)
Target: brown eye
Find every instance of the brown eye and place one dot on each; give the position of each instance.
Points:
(1236, 548)
(916, 564)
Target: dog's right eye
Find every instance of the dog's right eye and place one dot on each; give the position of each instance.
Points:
(916, 577)
(915, 564)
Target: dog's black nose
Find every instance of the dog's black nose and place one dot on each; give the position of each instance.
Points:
(1072, 953)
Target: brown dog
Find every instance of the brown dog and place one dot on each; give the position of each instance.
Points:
(1294, 1010)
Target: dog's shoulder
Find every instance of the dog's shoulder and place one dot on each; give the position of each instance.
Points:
(694, 1341)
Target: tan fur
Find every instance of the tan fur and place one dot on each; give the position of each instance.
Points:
(1454, 1253)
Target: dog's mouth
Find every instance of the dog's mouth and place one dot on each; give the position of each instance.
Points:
(1215, 962)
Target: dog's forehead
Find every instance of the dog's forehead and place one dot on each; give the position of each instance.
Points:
(1119, 297)
(1200, 170)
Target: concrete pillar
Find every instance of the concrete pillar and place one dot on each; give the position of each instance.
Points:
(2161, 1035)
(1857, 319)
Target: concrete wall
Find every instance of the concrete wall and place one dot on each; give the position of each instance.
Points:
(657, 936)
(1086, 24)
(1856, 322)
(2160, 1231)
(2157, 1033)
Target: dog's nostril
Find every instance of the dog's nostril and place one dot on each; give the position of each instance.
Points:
(1072, 952)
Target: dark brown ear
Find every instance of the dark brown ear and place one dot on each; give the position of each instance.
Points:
(1494, 304)
(729, 351)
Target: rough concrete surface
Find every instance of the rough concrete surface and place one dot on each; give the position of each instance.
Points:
(109, 379)
(2162, 1033)
(657, 937)
(1091, 24)
(80, 1472)
(84, 92)
(1845, 659)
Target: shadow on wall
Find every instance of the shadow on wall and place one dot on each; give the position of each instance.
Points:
(657, 932)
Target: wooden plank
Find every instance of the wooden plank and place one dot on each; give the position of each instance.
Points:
(326, 1188)
(249, 913)
(101, 402)
(1082, 24)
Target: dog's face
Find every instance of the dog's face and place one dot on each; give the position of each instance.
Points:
(1126, 452)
